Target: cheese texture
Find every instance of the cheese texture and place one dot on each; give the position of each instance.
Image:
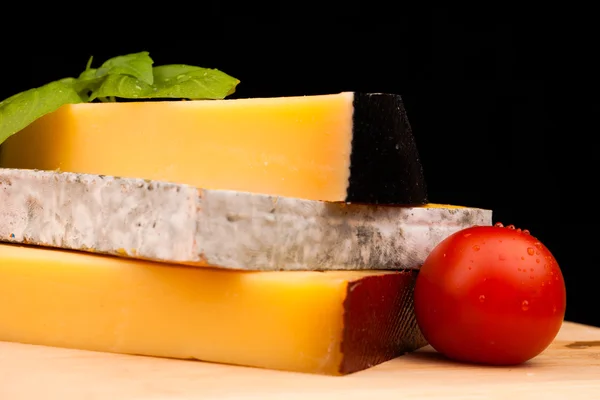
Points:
(178, 223)
(340, 147)
(334, 322)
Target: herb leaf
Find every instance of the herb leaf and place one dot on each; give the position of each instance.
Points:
(87, 82)
(130, 76)
(22, 109)
(122, 86)
(129, 68)
(189, 82)
(137, 65)
(170, 81)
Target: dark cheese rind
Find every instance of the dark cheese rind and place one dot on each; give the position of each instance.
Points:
(385, 167)
(373, 332)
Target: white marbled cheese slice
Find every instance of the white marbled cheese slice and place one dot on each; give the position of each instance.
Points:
(176, 223)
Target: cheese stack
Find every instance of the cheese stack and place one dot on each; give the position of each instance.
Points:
(224, 231)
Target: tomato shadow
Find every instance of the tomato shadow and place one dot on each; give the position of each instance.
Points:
(428, 355)
(432, 356)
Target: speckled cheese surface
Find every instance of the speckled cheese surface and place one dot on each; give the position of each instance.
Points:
(179, 223)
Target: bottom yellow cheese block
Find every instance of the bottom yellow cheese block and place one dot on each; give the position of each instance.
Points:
(333, 322)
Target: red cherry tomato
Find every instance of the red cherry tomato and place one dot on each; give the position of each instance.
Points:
(490, 295)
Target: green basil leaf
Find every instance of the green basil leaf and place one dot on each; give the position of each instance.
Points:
(89, 74)
(131, 76)
(170, 81)
(124, 86)
(20, 110)
(137, 65)
(88, 81)
(190, 82)
(165, 73)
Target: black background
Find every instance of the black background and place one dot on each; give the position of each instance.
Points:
(501, 103)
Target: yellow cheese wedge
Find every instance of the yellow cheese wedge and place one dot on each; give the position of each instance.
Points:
(334, 322)
(310, 147)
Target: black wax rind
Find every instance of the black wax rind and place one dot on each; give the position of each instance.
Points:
(385, 167)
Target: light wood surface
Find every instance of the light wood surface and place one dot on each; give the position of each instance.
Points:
(566, 370)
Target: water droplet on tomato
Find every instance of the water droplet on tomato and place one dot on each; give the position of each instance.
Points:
(530, 251)
(526, 231)
(531, 269)
(470, 268)
(501, 257)
(476, 248)
(481, 298)
(444, 255)
(499, 225)
(518, 229)
(537, 252)
(543, 284)
(511, 226)
(467, 234)
(522, 258)
(537, 260)
(484, 279)
(538, 245)
(553, 309)
(525, 305)
(518, 269)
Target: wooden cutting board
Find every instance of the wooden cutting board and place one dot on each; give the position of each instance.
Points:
(570, 368)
